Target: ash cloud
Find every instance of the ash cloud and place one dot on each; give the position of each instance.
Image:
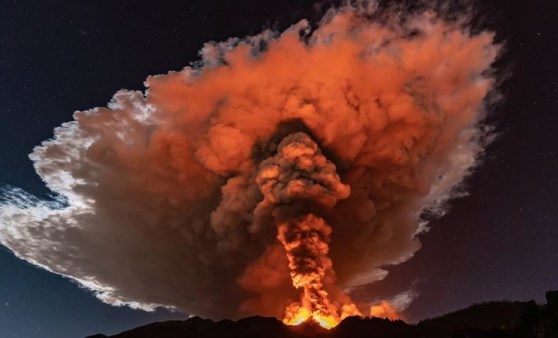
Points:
(157, 198)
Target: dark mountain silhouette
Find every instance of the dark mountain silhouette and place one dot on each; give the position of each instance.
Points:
(487, 320)
(485, 316)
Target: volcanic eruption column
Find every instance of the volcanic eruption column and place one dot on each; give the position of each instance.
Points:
(296, 180)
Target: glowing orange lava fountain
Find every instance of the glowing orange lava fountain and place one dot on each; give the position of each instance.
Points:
(307, 253)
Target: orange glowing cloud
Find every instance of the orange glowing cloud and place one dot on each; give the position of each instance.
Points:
(384, 310)
(180, 197)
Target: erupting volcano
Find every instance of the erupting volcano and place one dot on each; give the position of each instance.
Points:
(298, 183)
(280, 175)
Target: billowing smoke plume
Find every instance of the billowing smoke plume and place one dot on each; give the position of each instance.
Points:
(313, 152)
(296, 183)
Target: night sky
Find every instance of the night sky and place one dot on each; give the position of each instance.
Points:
(497, 243)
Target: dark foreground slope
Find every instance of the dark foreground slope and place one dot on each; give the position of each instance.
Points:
(488, 320)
